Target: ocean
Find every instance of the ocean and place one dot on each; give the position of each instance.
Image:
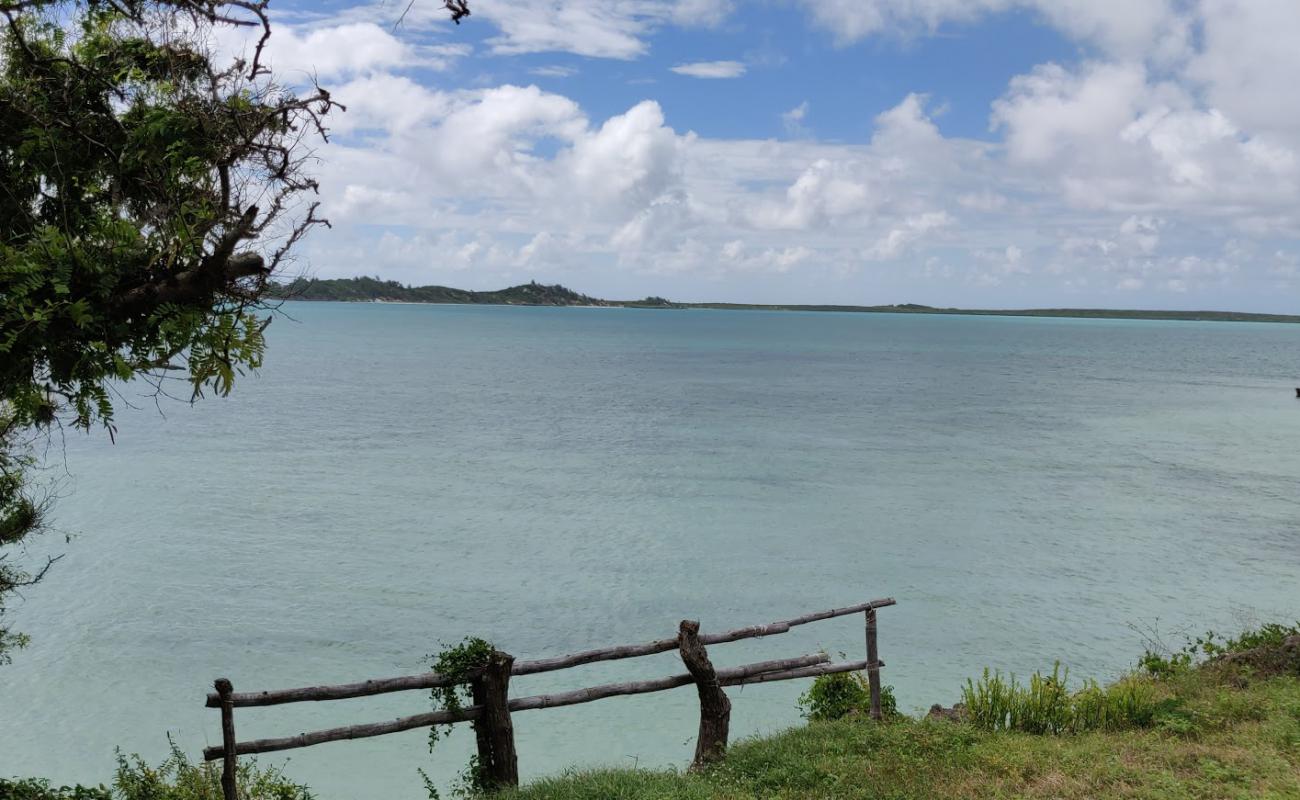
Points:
(398, 477)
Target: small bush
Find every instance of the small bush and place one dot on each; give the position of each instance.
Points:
(178, 779)
(1270, 635)
(1132, 703)
(836, 696)
(990, 702)
(1045, 706)
(1165, 665)
(40, 789)
(1163, 662)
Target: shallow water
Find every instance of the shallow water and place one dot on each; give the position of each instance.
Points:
(558, 479)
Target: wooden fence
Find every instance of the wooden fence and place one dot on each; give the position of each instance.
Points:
(492, 704)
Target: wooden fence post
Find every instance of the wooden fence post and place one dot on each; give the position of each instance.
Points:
(715, 708)
(224, 691)
(873, 664)
(495, 732)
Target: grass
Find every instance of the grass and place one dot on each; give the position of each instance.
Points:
(1214, 734)
(1181, 727)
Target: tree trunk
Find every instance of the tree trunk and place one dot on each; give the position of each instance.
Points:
(497, 761)
(715, 708)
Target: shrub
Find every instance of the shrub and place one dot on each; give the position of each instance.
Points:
(844, 693)
(1165, 665)
(40, 789)
(1270, 635)
(1163, 662)
(996, 703)
(1044, 707)
(178, 779)
(990, 702)
(1132, 703)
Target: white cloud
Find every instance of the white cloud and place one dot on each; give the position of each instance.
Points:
(825, 192)
(983, 200)
(901, 239)
(1121, 27)
(334, 51)
(1156, 170)
(793, 121)
(707, 13)
(711, 69)
(597, 28)
(1247, 61)
(1116, 139)
(554, 71)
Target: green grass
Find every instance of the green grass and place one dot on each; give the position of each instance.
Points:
(1215, 736)
(1181, 727)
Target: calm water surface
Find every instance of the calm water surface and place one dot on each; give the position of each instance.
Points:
(558, 479)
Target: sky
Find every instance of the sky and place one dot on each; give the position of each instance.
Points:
(978, 153)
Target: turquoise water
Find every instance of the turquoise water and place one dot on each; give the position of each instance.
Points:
(558, 479)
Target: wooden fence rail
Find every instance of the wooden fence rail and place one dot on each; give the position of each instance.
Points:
(492, 706)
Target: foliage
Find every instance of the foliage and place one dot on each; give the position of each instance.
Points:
(1269, 635)
(149, 191)
(362, 289)
(1162, 661)
(1246, 743)
(178, 779)
(461, 663)
(1046, 706)
(40, 789)
(844, 693)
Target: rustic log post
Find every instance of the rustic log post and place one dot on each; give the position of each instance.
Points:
(715, 708)
(873, 664)
(224, 691)
(497, 761)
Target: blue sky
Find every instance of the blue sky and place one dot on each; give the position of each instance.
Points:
(1120, 153)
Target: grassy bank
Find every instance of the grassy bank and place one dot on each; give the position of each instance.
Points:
(1227, 741)
(1218, 719)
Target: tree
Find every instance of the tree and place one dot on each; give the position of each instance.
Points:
(148, 189)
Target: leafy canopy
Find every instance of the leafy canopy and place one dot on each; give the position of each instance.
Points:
(148, 188)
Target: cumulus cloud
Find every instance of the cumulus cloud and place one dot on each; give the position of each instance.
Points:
(1116, 139)
(826, 191)
(597, 28)
(334, 51)
(902, 238)
(1123, 27)
(1150, 164)
(711, 69)
(1248, 61)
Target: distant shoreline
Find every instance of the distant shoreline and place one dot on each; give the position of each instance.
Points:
(373, 290)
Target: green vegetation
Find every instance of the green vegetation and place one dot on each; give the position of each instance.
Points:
(1223, 728)
(1218, 718)
(1247, 748)
(534, 294)
(149, 192)
(1047, 706)
(458, 662)
(844, 693)
(175, 779)
(374, 289)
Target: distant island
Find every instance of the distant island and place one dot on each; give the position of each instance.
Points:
(375, 290)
